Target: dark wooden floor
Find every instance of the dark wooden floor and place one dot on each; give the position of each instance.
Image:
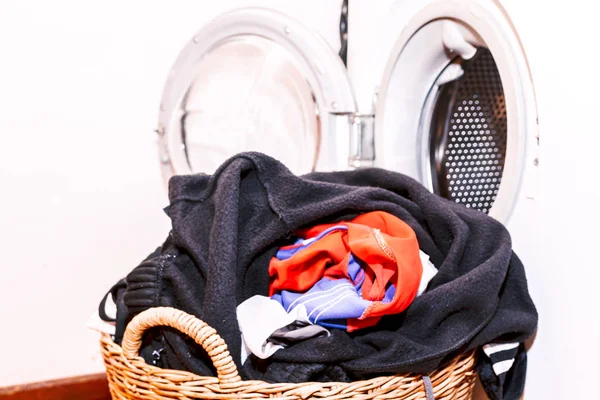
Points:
(87, 387)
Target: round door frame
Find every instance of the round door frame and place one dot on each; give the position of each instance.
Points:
(324, 72)
(491, 22)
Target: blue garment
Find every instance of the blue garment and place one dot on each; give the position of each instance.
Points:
(330, 302)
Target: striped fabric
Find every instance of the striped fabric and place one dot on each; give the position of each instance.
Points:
(502, 356)
(349, 274)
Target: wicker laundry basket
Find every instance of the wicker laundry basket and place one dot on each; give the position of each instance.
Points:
(130, 377)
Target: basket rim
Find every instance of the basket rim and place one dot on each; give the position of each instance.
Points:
(116, 350)
(129, 374)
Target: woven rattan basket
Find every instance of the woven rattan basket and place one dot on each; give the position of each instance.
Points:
(131, 378)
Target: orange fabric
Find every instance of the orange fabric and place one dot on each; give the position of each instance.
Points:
(390, 256)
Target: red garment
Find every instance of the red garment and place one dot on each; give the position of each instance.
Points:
(386, 247)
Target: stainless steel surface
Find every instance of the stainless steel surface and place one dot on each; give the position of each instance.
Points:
(469, 135)
(362, 140)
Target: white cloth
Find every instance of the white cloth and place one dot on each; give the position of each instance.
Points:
(261, 318)
(429, 271)
(98, 324)
(95, 323)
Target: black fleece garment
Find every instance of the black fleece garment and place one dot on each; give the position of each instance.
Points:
(226, 228)
(507, 385)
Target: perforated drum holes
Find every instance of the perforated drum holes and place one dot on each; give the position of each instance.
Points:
(468, 137)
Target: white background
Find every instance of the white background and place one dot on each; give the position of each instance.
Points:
(82, 197)
(81, 194)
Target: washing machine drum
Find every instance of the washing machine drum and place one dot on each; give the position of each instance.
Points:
(258, 80)
(468, 134)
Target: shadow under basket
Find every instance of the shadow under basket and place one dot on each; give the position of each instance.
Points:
(131, 378)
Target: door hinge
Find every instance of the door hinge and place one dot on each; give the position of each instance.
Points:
(362, 140)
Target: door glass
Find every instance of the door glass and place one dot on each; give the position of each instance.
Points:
(249, 95)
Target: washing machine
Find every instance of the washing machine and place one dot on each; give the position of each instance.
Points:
(431, 99)
(440, 90)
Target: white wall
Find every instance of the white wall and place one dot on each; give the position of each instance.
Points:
(559, 244)
(81, 189)
(82, 196)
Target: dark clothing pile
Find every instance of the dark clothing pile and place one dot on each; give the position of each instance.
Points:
(227, 227)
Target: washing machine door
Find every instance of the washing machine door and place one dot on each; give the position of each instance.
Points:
(255, 80)
(456, 107)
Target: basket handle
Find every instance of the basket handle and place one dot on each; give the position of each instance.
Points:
(195, 328)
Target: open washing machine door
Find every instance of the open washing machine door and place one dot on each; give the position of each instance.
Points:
(456, 107)
(255, 79)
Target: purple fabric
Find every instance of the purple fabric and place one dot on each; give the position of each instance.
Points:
(329, 302)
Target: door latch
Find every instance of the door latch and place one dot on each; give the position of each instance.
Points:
(362, 140)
